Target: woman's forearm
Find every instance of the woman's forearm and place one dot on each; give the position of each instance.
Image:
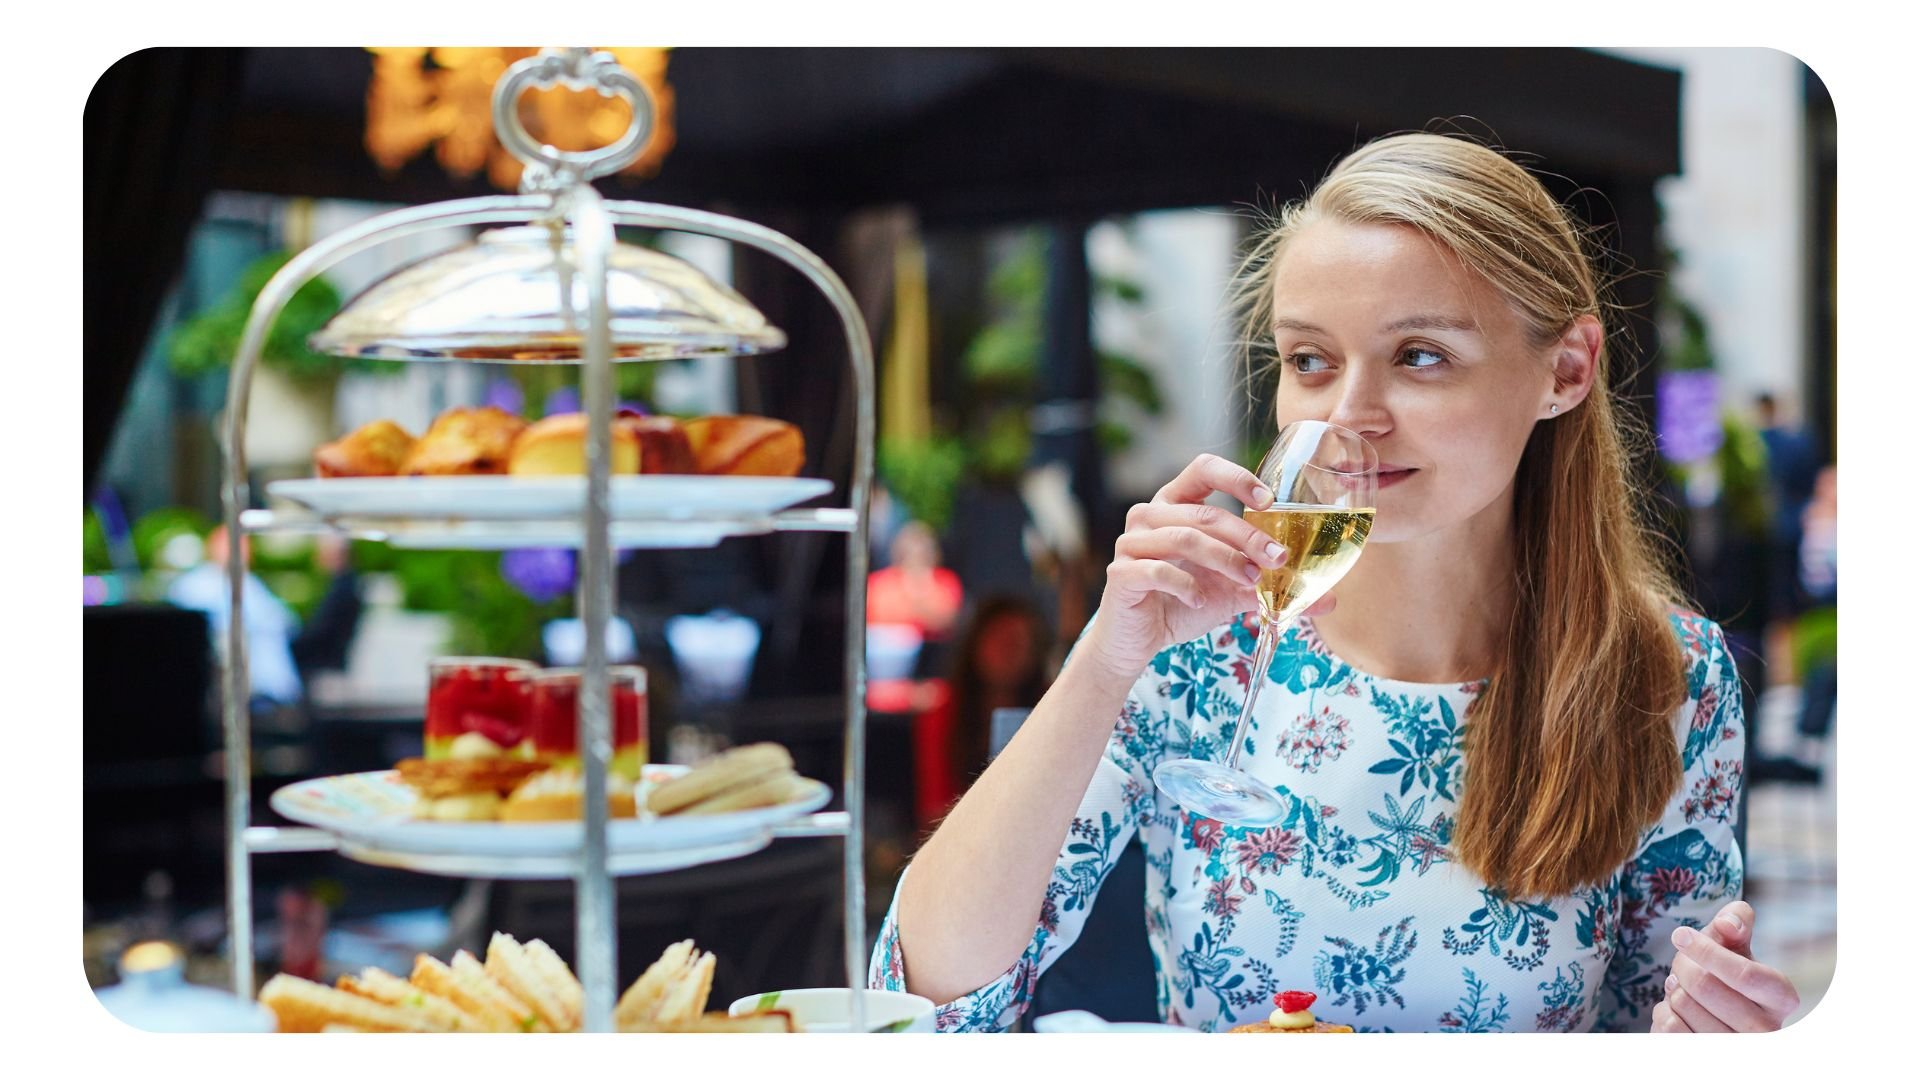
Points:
(970, 904)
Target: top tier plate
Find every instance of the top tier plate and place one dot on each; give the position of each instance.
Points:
(505, 498)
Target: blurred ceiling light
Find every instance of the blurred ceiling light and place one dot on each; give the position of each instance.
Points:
(443, 98)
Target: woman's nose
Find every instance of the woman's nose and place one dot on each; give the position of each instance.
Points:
(1362, 408)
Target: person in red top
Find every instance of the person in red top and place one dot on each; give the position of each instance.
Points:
(915, 590)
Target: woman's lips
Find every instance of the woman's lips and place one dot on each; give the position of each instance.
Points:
(1390, 475)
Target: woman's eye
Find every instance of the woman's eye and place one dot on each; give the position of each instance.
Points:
(1422, 358)
(1306, 363)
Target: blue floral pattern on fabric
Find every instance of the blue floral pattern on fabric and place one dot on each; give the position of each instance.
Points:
(1354, 894)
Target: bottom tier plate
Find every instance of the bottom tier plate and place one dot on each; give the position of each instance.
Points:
(550, 867)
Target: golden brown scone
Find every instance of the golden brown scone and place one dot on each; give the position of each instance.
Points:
(746, 446)
(560, 795)
(557, 446)
(465, 442)
(664, 448)
(740, 765)
(303, 1006)
(375, 449)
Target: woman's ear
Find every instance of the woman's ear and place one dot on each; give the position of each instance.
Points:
(1576, 361)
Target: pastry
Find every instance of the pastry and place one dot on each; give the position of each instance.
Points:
(745, 446)
(664, 447)
(449, 777)
(379, 448)
(1290, 1017)
(560, 794)
(727, 775)
(465, 442)
(771, 790)
(557, 446)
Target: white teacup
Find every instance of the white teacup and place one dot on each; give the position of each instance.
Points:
(830, 1008)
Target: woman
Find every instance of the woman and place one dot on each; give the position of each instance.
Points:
(1513, 762)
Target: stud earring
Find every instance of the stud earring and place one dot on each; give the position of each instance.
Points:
(1555, 409)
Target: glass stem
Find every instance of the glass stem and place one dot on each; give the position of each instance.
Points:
(1262, 659)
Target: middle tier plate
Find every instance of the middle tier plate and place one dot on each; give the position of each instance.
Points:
(648, 497)
(376, 809)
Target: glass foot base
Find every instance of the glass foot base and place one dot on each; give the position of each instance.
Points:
(1223, 794)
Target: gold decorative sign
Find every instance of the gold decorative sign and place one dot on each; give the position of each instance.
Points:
(443, 98)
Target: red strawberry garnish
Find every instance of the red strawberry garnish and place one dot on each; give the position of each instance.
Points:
(1295, 1000)
(502, 732)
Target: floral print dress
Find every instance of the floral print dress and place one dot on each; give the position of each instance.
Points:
(1354, 895)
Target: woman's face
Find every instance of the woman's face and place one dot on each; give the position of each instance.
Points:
(1383, 331)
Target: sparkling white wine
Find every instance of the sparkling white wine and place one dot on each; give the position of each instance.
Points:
(1321, 543)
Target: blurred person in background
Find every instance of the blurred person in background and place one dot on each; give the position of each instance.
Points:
(270, 624)
(1815, 635)
(1577, 863)
(323, 643)
(1791, 467)
(914, 589)
(1000, 661)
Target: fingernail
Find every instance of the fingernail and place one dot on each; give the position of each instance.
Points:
(1261, 497)
(1683, 936)
(1253, 573)
(1274, 551)
(1732, 923)
(1672, 984)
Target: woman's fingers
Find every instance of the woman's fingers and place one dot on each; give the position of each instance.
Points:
(1697, 1016)
(1182, 544)
(1209, 473)
(1733, 927)
(1717, 998)
(1138, 577)
(1750, 979)
(1226, 527)
(1665, 1022)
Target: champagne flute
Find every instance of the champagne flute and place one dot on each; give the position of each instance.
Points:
(1323, 478)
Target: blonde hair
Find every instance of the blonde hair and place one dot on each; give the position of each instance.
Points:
(1570, 753)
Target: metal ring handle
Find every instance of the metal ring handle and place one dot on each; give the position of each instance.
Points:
(577, 69)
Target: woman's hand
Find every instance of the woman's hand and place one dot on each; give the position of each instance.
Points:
(1717, 985)
(1181, 567)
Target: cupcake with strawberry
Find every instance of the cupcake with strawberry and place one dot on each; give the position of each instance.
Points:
(1291, 1016)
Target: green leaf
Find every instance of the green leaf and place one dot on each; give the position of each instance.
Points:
(767, 1001)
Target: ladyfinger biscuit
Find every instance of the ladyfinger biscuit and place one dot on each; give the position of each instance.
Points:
(739, 765)
(767, 791)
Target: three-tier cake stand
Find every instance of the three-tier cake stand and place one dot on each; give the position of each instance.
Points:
(559, 288)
